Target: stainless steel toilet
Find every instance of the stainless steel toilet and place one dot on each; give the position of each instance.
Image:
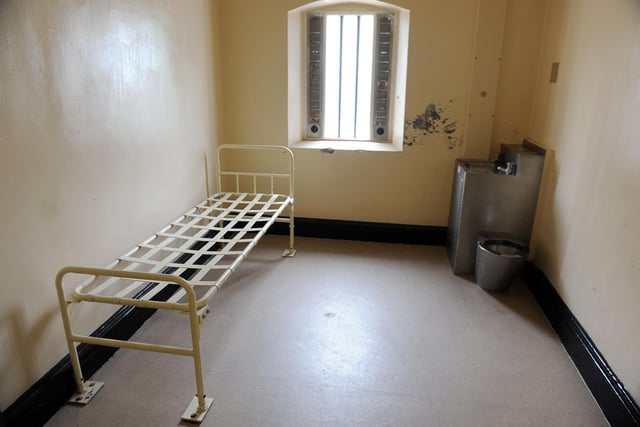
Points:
(499, 257)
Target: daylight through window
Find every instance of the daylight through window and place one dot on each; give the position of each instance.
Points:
(349, 72)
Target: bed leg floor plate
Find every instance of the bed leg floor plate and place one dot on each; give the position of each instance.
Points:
(191, 414)
(90, 390)
(289, 253)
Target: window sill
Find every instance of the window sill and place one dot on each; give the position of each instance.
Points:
(331, 146)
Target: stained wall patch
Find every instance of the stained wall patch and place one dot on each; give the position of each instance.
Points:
(434, 121)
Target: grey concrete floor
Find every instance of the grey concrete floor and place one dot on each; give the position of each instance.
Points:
(350, 334)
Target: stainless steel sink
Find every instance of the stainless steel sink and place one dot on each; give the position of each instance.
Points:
(493, 196)
(473, 166)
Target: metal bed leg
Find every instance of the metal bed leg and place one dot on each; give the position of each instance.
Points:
(291, 251)
(200, 404)
(85, 389)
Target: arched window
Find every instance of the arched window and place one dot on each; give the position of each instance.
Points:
(347, 75)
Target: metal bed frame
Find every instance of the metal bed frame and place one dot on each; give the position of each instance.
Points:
(192, 257)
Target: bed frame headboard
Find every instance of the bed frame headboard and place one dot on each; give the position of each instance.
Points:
(255, 177)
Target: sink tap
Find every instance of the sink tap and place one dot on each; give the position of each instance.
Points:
(509, 168)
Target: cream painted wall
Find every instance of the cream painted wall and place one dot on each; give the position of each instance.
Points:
(587, 234)
(412, 187)
(107, 110)
(521, 47)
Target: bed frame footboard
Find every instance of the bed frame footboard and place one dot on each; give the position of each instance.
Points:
(196, 310)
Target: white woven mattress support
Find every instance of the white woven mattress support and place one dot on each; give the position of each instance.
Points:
(198, 252)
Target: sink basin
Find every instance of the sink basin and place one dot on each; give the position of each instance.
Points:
(480, 167)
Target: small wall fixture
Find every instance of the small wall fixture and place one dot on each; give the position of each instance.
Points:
(554, 72)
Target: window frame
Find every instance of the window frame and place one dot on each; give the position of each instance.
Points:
(298, 55)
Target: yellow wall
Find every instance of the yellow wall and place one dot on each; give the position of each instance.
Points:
(107, 110)
(587, 235)
(519, 69)
(412, 187)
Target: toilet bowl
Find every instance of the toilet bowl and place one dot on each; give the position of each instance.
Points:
(499, 257)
